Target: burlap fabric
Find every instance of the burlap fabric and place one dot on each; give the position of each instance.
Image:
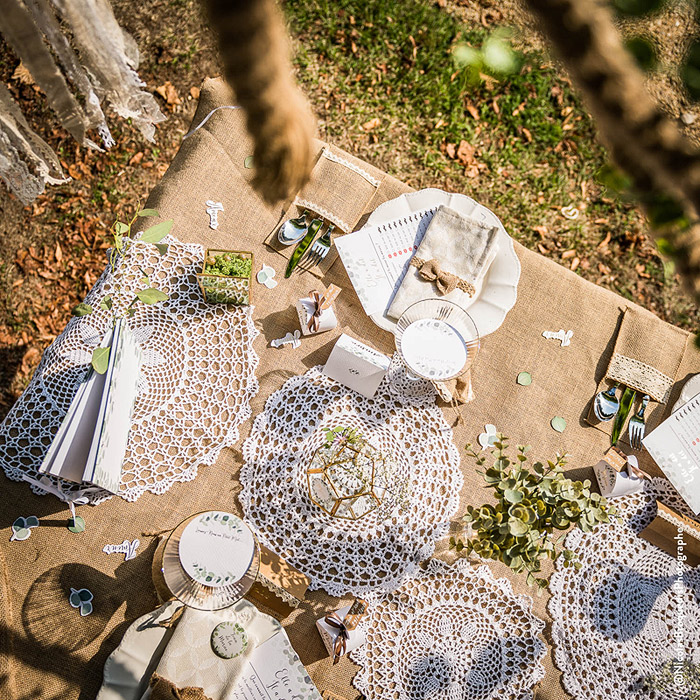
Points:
(57, 654)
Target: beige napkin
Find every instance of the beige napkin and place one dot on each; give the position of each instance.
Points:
(450, 262)
(189, 662)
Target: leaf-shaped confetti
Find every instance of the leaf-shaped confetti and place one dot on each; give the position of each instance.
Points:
(100, 360)
(85, 595)
(558, 423)
(74, 598)
(32, 521)
(76, 524)
(21, 533)
(524, 379)
(248, 162)
(19, 524)
(85, 609)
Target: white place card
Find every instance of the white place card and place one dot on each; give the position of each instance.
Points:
(216, 549)
(675, 447)
(356, 365)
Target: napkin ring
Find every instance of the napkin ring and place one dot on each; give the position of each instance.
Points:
(446, 282)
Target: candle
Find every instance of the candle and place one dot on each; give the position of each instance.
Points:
(433, 349)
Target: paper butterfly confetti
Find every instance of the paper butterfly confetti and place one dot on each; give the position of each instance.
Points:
(127, 548)
(289, 339)
(82, 599)
(21, 528)
(487, 439)
(265, 276)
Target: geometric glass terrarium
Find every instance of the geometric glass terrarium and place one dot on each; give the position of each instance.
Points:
(349, 478)
(226, 277)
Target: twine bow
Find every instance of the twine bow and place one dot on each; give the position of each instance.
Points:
(445, 282)
(341, 641)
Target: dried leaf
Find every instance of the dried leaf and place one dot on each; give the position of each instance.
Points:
(465, 152)
(58, 252)
(194, 93)
(451, 150)
(168, 92)
(371, 124)
(22, 75)
(473, 111)
(568, 254)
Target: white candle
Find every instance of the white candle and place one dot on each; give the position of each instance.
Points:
(433, 349)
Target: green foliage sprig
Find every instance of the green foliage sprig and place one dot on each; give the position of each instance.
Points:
(121, 239)
(532, 502)
(228, 265)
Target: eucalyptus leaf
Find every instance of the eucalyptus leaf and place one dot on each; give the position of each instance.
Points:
(513, 496)
(147, 212)
(121, 228)
(248, 162)
(157, 232)
(162, 248)
(100, 360)
(559, 424)
(76, 525)
(524, 379)
(82, 309)
(151, 295)
(106, 304)
(20, 534)
(19, 523)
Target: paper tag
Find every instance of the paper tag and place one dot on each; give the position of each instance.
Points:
(616, 458)
(355, 614)
(229, 640)
(329, 297)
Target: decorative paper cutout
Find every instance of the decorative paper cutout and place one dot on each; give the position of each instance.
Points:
(229, 640)
(213, 209)
(524, 379)
(558, 423)
(561, 334)
(127, 548)
(265, 276)
(81, 598)
(289, 339)
(21, 528)
(487, 439)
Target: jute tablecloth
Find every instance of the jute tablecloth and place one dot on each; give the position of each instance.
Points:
(56, 654)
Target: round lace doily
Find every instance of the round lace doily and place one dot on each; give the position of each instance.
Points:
(631, 609)
(453, 633)
(341, 555)
(197, 378)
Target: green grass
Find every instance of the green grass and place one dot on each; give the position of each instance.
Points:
(535, 145)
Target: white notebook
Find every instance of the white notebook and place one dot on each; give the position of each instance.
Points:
(91, 442)
(675, 447)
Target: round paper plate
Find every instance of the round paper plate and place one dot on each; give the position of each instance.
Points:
(205, 596)
(499, 289)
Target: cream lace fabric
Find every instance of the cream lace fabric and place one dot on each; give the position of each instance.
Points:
(341, 555)
(197, 378)
(75, 85)
(640, 376)
(628, 611)
(453, 633)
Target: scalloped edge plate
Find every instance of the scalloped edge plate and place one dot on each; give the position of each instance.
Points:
(499, 289)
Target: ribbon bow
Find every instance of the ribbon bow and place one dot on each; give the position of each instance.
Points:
(445, 282)
(319, 304)
(341, 641)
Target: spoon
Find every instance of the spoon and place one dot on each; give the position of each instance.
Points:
(292, 230)
(606, 404)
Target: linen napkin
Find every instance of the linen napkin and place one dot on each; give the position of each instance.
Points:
(451, 262)
(189, 665)
(646, 357)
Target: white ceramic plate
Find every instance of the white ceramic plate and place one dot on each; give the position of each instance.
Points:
(499, 289)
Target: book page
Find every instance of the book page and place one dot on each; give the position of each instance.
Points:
(114, 422)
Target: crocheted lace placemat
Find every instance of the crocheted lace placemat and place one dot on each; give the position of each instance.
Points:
(453, 632)
(336, 554)
(630, 610)
(197, 378)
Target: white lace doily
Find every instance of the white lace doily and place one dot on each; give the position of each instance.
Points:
(197, 378)
(618, 619)
(452, 633)
(340, 555)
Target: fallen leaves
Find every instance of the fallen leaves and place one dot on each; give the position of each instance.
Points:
(168, 92)
(371, 124)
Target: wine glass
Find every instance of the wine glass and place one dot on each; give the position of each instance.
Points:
(437, 340)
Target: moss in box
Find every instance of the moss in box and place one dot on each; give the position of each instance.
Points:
(228, 265)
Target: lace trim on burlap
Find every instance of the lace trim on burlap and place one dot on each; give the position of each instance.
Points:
(284, 595)
(351, 166)
(640, 377)
(324, 213)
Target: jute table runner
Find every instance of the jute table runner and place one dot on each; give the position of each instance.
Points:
(58, 654)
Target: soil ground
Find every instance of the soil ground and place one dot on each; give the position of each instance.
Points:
(381, 80)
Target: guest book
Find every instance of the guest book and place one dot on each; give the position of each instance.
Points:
(675, 447)
(90, 444)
